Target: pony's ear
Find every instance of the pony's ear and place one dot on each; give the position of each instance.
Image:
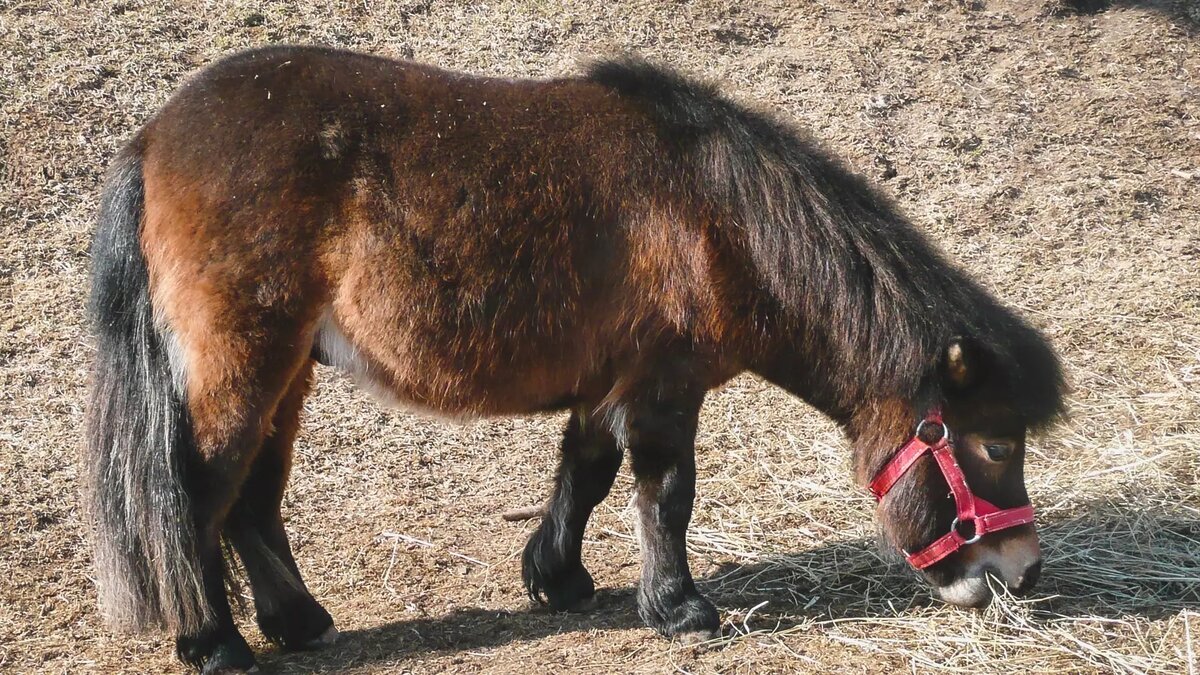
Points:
(962, 363)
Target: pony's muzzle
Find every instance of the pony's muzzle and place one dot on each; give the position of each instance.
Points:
(1015, 561)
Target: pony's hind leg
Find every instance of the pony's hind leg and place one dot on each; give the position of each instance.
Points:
(551, 567)
(214, 477)
(287, 612)
(235, 380)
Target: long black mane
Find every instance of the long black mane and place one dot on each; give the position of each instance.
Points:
(873, 302)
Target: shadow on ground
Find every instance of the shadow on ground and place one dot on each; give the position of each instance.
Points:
(1109, 563)
(1170, 8)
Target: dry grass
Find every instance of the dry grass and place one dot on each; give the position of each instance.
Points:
(1053, 148)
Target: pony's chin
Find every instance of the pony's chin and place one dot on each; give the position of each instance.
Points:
(968, 591)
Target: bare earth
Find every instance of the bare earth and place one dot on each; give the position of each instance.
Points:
(1053, 150)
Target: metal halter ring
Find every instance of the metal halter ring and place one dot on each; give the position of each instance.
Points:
(922, 423)
(972, 540)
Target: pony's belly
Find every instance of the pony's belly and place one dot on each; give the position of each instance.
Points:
(431, 384)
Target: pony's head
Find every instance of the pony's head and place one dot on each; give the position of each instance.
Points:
(948, 467)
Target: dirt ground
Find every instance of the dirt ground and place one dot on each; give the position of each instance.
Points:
(1053, 148)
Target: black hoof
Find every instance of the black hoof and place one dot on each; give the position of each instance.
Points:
(688, 616)
(561, 586)
(299, 625)
(564, 591)
(194, 650)
(230, 658)
(561, 590)
(215, 654)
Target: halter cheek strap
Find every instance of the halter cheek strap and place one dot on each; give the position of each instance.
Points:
(985, 516)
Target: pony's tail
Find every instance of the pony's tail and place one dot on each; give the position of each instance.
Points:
(138, 434)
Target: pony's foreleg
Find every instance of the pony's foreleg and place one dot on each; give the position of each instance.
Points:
(287, 612)
(552, 568)
(662, 451)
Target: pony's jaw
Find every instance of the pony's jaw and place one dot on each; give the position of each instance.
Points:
(1015, 562)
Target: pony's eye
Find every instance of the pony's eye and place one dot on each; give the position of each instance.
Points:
(998, 452)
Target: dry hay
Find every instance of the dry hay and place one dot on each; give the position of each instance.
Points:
(1052, 147)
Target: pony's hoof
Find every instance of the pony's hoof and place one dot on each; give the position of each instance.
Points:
(230, 658)
(299, 625)
(570, 591)
(213, 654)
(687, 619)
(229, 670)
(581, 605)
(697, 638)
(325, 639)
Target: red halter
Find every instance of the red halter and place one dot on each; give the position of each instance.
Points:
(985, 516)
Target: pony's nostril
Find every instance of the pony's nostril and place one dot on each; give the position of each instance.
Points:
(1030, 578)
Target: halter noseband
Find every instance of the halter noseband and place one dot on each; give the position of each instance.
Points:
(985, 516)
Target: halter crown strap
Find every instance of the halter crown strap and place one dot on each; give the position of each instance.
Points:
(982, 514)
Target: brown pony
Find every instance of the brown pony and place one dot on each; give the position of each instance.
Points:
(615, 245)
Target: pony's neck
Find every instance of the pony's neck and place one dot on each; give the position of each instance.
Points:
(875, 421)
(804, 364)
